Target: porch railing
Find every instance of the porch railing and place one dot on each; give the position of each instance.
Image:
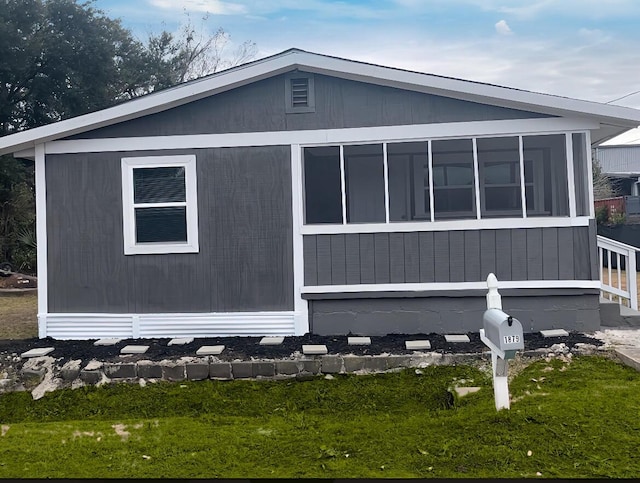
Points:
(617, 263)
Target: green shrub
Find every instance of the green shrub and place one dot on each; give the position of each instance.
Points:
(602, 215)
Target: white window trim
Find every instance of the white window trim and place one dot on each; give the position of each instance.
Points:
(188, 162)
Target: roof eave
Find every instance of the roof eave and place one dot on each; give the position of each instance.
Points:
(617, 119)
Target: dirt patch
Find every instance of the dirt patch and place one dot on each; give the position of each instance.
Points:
(19, 317)
(17, 281)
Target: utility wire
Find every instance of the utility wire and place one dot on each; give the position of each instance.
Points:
(620, 98)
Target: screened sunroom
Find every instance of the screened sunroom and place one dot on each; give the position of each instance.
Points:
(432, 180)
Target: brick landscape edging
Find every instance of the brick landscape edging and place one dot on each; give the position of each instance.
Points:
(43, 374)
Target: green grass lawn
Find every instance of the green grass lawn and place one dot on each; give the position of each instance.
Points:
(568, 419)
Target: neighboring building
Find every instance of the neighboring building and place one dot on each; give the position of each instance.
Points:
(304, 193)
(621, 163)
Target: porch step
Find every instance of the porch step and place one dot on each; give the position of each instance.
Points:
(613, 314)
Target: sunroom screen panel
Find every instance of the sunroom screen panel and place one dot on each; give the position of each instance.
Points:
(408, 165)
(453, 179)
(323, 194)
(499, 170)
(546, 165)
(364, 182)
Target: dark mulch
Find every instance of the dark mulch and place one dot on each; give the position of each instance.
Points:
(246, 348)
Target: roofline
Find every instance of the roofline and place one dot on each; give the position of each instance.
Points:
(618, 146)
(622, 118)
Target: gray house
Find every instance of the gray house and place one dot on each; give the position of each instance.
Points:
(307, 193)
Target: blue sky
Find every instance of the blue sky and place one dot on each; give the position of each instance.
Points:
(587, 49)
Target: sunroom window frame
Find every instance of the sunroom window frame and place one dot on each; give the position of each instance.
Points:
(131, 245)
(433, 224)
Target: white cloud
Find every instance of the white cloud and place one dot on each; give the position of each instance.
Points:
(594, 36)
(215, 7)
(503, 28)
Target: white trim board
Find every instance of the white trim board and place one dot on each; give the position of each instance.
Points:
(412, 132)
(449, 225)
(620, 118)
(168, 325)
(450, 286)
(301, 306)
(41, 236)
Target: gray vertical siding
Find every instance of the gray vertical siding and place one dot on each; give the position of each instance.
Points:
(367, 259)
(441, 256)
(427, 257)
(457, 256)
(411, 257)
(352, 255)
(381, 257)
(340, 103)
(245, 261)
(534, 254)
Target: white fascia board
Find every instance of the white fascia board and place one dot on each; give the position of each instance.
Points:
(464, 89)
(235, 77)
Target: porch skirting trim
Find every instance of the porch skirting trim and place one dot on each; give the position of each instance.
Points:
(124, 326)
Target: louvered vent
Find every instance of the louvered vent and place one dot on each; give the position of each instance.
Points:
(300, 92)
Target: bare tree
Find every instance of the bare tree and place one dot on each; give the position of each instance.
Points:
(194, 53)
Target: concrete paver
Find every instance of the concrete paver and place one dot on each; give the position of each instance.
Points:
(107, 341)
(630, 356)
(554, 333)
(456, 338)
(134, 349)
(359, 340)
(210, 350)
(271, 340)
(311, 349)
(39, 352)
(181, 341)
(417, 345)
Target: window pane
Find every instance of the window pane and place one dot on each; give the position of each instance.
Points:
(408, 165)
(159, 185)
(581, 173)
(364, 180)
(546, 167)
(499, 170)
(161, 224)
(323, 195)
(453, 179)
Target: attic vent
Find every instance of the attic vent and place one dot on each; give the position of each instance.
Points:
(299, 93)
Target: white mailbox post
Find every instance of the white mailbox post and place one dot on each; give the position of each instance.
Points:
(503, 335)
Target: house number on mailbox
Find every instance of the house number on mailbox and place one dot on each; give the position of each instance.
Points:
(511, 339)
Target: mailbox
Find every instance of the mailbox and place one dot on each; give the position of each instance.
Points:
(504, 332)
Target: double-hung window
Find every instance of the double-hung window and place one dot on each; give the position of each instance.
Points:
(160, 212)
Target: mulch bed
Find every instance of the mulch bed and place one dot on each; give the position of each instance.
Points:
(247, 348)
